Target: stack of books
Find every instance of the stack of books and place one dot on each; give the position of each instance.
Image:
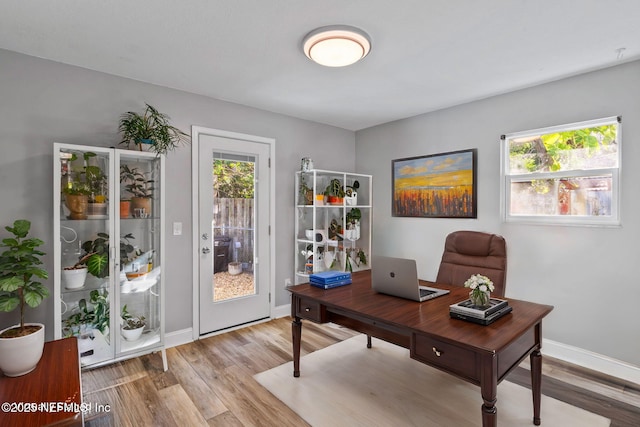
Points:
(466, 310)
(330, 279)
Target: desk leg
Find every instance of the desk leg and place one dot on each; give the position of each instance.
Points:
(296, 334)
(368, 341)
(536, 383)
(489, 391)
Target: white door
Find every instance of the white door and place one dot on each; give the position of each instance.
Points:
(233, 236)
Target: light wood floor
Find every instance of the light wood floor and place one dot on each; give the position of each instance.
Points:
(210, 382)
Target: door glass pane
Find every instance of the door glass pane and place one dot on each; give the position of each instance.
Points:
(233, 226)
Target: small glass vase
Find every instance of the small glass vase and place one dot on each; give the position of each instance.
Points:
(480, 298)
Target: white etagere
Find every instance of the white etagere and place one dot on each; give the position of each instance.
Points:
(332, 234)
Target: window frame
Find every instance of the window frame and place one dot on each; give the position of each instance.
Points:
(614, 220)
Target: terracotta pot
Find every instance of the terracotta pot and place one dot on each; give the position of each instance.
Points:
(141, 207)
(77, 204)
(125, 208)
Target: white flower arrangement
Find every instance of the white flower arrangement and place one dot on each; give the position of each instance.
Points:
(480, 287)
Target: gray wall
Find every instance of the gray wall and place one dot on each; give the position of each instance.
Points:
(588, 273)
(43, 102)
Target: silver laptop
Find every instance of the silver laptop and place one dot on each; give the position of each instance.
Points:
(399, 277)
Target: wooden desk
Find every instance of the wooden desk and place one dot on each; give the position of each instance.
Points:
(481, 355)
(54, 383)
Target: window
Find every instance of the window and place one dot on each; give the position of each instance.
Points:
(565, 174)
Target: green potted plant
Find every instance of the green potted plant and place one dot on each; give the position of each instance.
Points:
(21, 345)
(140, 188)
(306, 192)
(85, 186)
(132, 326)
(88, 317)
(96, 254)
(334, 192)
(152, 128)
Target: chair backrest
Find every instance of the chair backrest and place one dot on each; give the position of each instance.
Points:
(472, 252)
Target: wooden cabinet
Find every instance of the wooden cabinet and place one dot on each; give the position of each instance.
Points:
(333, 222)
(108, 223)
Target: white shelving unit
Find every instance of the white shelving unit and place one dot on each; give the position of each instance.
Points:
(133, 252)
(331, 234)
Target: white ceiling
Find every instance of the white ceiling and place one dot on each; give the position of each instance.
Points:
(426, 54)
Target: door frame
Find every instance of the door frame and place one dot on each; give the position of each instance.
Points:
(196, 132)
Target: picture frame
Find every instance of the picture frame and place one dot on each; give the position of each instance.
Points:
(442, 185)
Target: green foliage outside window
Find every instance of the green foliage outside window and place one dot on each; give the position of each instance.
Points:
(545, 153)
(233, 179)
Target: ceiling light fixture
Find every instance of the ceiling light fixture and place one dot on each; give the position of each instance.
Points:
(336, 45)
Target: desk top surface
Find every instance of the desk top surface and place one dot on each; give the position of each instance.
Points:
(430, 317)
(55, 379)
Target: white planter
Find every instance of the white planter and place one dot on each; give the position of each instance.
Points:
(19, 356)
(235, 268)
(132, 334)
(351, 200)
(74, 279)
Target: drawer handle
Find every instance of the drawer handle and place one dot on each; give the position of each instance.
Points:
(437, 352)
(307, 309)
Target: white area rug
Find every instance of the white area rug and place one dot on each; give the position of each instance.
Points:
(347, 384)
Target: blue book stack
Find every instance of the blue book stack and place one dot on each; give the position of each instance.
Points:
(330, 279)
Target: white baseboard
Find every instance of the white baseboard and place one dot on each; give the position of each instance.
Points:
(590, 360)
(281, 311)
(176, 338)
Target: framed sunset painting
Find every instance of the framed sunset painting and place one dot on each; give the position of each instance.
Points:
(435, 186)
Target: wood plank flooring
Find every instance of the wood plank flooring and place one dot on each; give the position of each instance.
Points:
(210, 382)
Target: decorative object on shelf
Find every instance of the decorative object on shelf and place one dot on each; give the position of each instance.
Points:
(74, 276)
(481, 288)
(152, 128)
(140, 188)
(132, 326)
(306, 164)
(435, 186)
(139, 266)
(334, 192)
(21, 345)
(125, 208)
(351, 194)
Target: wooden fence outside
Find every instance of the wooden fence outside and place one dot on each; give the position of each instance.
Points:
(234, 219)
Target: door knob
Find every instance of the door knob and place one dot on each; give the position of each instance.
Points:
(206, 250)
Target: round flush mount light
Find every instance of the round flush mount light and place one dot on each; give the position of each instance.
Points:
(336, 45)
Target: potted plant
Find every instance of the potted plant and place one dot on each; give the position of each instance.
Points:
(89, 317)
(21, 345)
(334, 192)
(132, 326)
(140, 188)
(352, 225)
(306, 192)
(96, 254)
(76, 198)
(74, 276)
(152, 128)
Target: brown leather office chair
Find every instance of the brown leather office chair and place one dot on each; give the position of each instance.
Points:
(473, 252)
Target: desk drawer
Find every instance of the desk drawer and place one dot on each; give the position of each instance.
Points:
(449, 357)
(310, 310)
